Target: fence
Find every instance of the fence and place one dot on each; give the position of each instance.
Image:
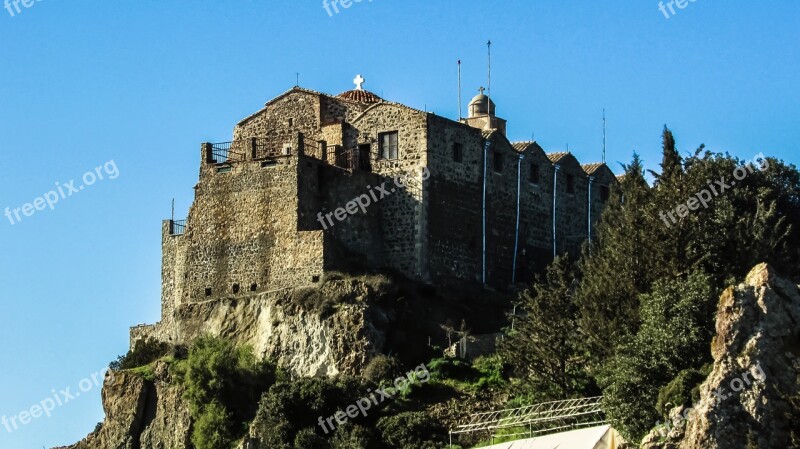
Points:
(177, 227)
(239, 150)
(543, 418)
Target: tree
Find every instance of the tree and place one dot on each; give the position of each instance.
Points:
(618, 267)
(677, 325)
(546, 347)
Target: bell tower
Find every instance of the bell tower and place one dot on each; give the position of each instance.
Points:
(482, 114)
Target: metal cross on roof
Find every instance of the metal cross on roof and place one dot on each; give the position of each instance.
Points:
(359, 81)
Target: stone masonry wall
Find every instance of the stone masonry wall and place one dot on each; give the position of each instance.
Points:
(403, 216)
(454, 208)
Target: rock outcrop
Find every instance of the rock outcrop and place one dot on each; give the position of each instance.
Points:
(323, 331)
(749, 399)
(140, 413)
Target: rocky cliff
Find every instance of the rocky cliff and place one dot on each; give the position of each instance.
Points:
(333, 329)
(750, 398)
(140, 413)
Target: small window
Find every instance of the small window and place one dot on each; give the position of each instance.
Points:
(291, 122)
(497, 163)
(604, 193)
(269, 163)
(570, 183)
(314, 279)
(388, 144)
(534, 175)
(253, 287)
(225, 169)
(208, 292)
(458, 152)
(235, 289)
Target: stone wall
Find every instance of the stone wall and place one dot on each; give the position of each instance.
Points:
(536, 213)
(403, 215)
(454, 203)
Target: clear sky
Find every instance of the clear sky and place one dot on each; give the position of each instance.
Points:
(144, 83)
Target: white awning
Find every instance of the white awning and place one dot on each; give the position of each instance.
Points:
(601, 437)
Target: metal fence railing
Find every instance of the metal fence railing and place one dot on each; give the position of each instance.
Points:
(243, 149)
(177, 227)
(537, 419)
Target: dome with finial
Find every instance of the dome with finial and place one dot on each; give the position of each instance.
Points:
(359, 94)
(481, 105)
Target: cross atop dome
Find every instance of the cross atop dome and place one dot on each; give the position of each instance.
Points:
(481, 89)
(359, 82)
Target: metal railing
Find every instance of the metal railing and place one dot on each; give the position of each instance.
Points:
(538, 419)
(241, 149)
(335, 155)
(177, 227)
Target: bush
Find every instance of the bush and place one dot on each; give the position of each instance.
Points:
(442, 369)
(144, 352)
(683, 390)
(291, 406)
(381, 368)
(211, 428)
(308, 438)
(410, 430)
(352, 437)
(491, 371)
(221, 384)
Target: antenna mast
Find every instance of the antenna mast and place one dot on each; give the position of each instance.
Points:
(604, 135)
(460, 116)
(489, 103)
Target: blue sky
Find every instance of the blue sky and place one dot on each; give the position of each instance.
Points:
(143, 83)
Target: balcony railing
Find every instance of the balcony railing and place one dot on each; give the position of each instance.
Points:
(336, 155)
(177, 227)
(243, 149)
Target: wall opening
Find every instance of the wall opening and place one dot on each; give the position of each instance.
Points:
(497, 163)
(208, 292)
(235, 289)
(534, 177)
(458, 152)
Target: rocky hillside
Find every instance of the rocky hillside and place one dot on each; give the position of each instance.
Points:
(140, 413)
(750, 399)
(333, 331)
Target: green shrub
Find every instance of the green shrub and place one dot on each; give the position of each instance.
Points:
(352, 437)
(445, 368)
(683, 390)
(308, 438)
(410, 430)
(491, 371)
(144, 352)
(222, 384)
(211, 429)
(291, 406)
(381, 368)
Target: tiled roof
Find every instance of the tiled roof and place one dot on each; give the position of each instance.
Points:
(555, 157)
(361, 96)
(590, 169)
(521, 146)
